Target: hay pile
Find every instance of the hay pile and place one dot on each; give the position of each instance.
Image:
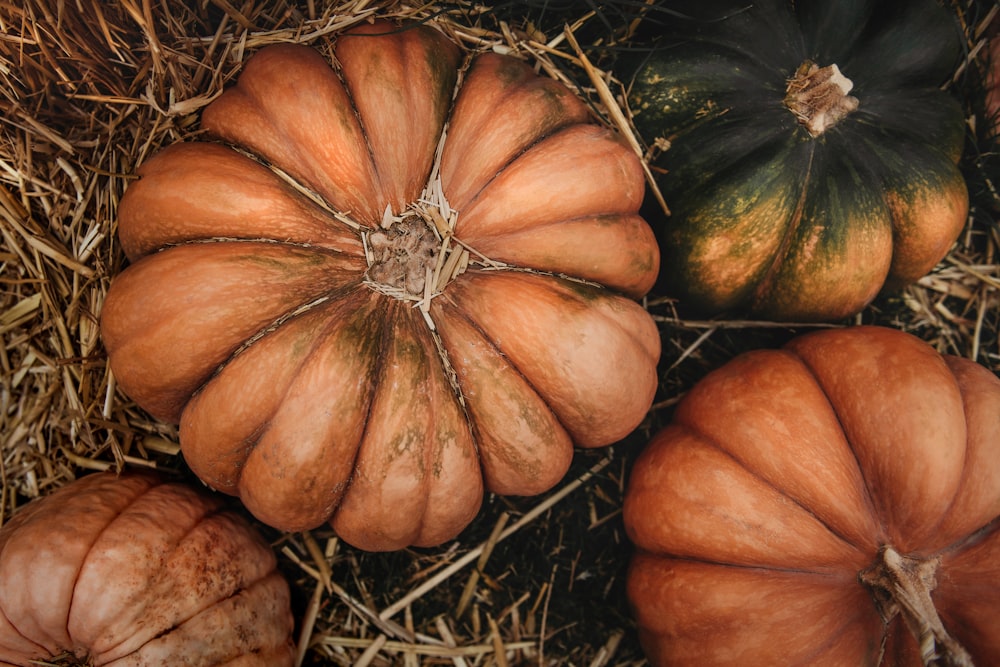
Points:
(89, 89)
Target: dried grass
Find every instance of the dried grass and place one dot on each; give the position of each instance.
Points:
(91, 88)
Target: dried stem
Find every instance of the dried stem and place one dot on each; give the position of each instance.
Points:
(902, 585)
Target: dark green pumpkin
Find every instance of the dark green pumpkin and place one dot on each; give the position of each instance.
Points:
(778, 219)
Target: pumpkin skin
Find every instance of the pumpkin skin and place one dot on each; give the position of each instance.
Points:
(288, 332)
(766, 218)
(782, 481)
(135, 570)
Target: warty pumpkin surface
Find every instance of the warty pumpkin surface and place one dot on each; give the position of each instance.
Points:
(809, 153)
(833, 502)
(387, 286)
(142, 572)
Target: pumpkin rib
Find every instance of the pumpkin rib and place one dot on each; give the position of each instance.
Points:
(869, 491)
(742, 234)
(264, 448)
(28, 643)
(766, 283)
(845, 262)
(229, 616)
(474, 324)
(967, 594)
(193, 191)
(924, 192)
(529, 481)
(975, 470)
(354, 512)
(121, 502)
(114, 649)
(771, 279)
(246, 115)
(258, 282)
(714, 443)
(281, 320)
(584, 254)
(585, 315)
(831, 574)
(653, 578)
(923, 362)
(438, 60)
(528, 191)
(216, 508)
(539, 107)
(243, 446)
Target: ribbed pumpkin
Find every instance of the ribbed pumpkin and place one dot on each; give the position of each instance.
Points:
(136, 570)
(834, 502)
(810, 153)
(390, 285)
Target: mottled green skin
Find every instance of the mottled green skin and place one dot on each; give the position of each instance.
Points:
(765, 218)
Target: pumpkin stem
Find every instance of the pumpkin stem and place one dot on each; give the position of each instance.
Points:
(818, 96)
(902, 585)
(400, 254)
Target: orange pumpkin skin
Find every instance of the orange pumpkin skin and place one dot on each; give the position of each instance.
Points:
(291, 335)
(781, 482)
(135, 570)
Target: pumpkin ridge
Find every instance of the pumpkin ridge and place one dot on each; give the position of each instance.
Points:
(519, 246)
(515, 78)
(427, 458)
(972, 537)
(252, 439)
(262, 239)
(366, 310)
(96, 536)
(302, 188)
(516, 156)
(153, 484)
(433, 55)
(23, 524)
(601, 316)
(384, 340)
(869, 494)
(25, 638)
(273, 326)
(835, 576)
(453, 376)
(369, 149)
(219, 509)
(714, 443)
(771, 275)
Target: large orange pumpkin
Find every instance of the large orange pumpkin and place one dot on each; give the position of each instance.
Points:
(136, 570)
(834, 502)
(396, 283)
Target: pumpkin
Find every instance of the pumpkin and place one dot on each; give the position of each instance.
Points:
(832, 502)
(387, 287)
(138, 570)
(810, 154)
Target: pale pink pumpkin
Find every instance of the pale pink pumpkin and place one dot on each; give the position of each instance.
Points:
(139, 571)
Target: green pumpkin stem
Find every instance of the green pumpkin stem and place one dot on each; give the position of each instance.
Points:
(818, 96)
(902, 585)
